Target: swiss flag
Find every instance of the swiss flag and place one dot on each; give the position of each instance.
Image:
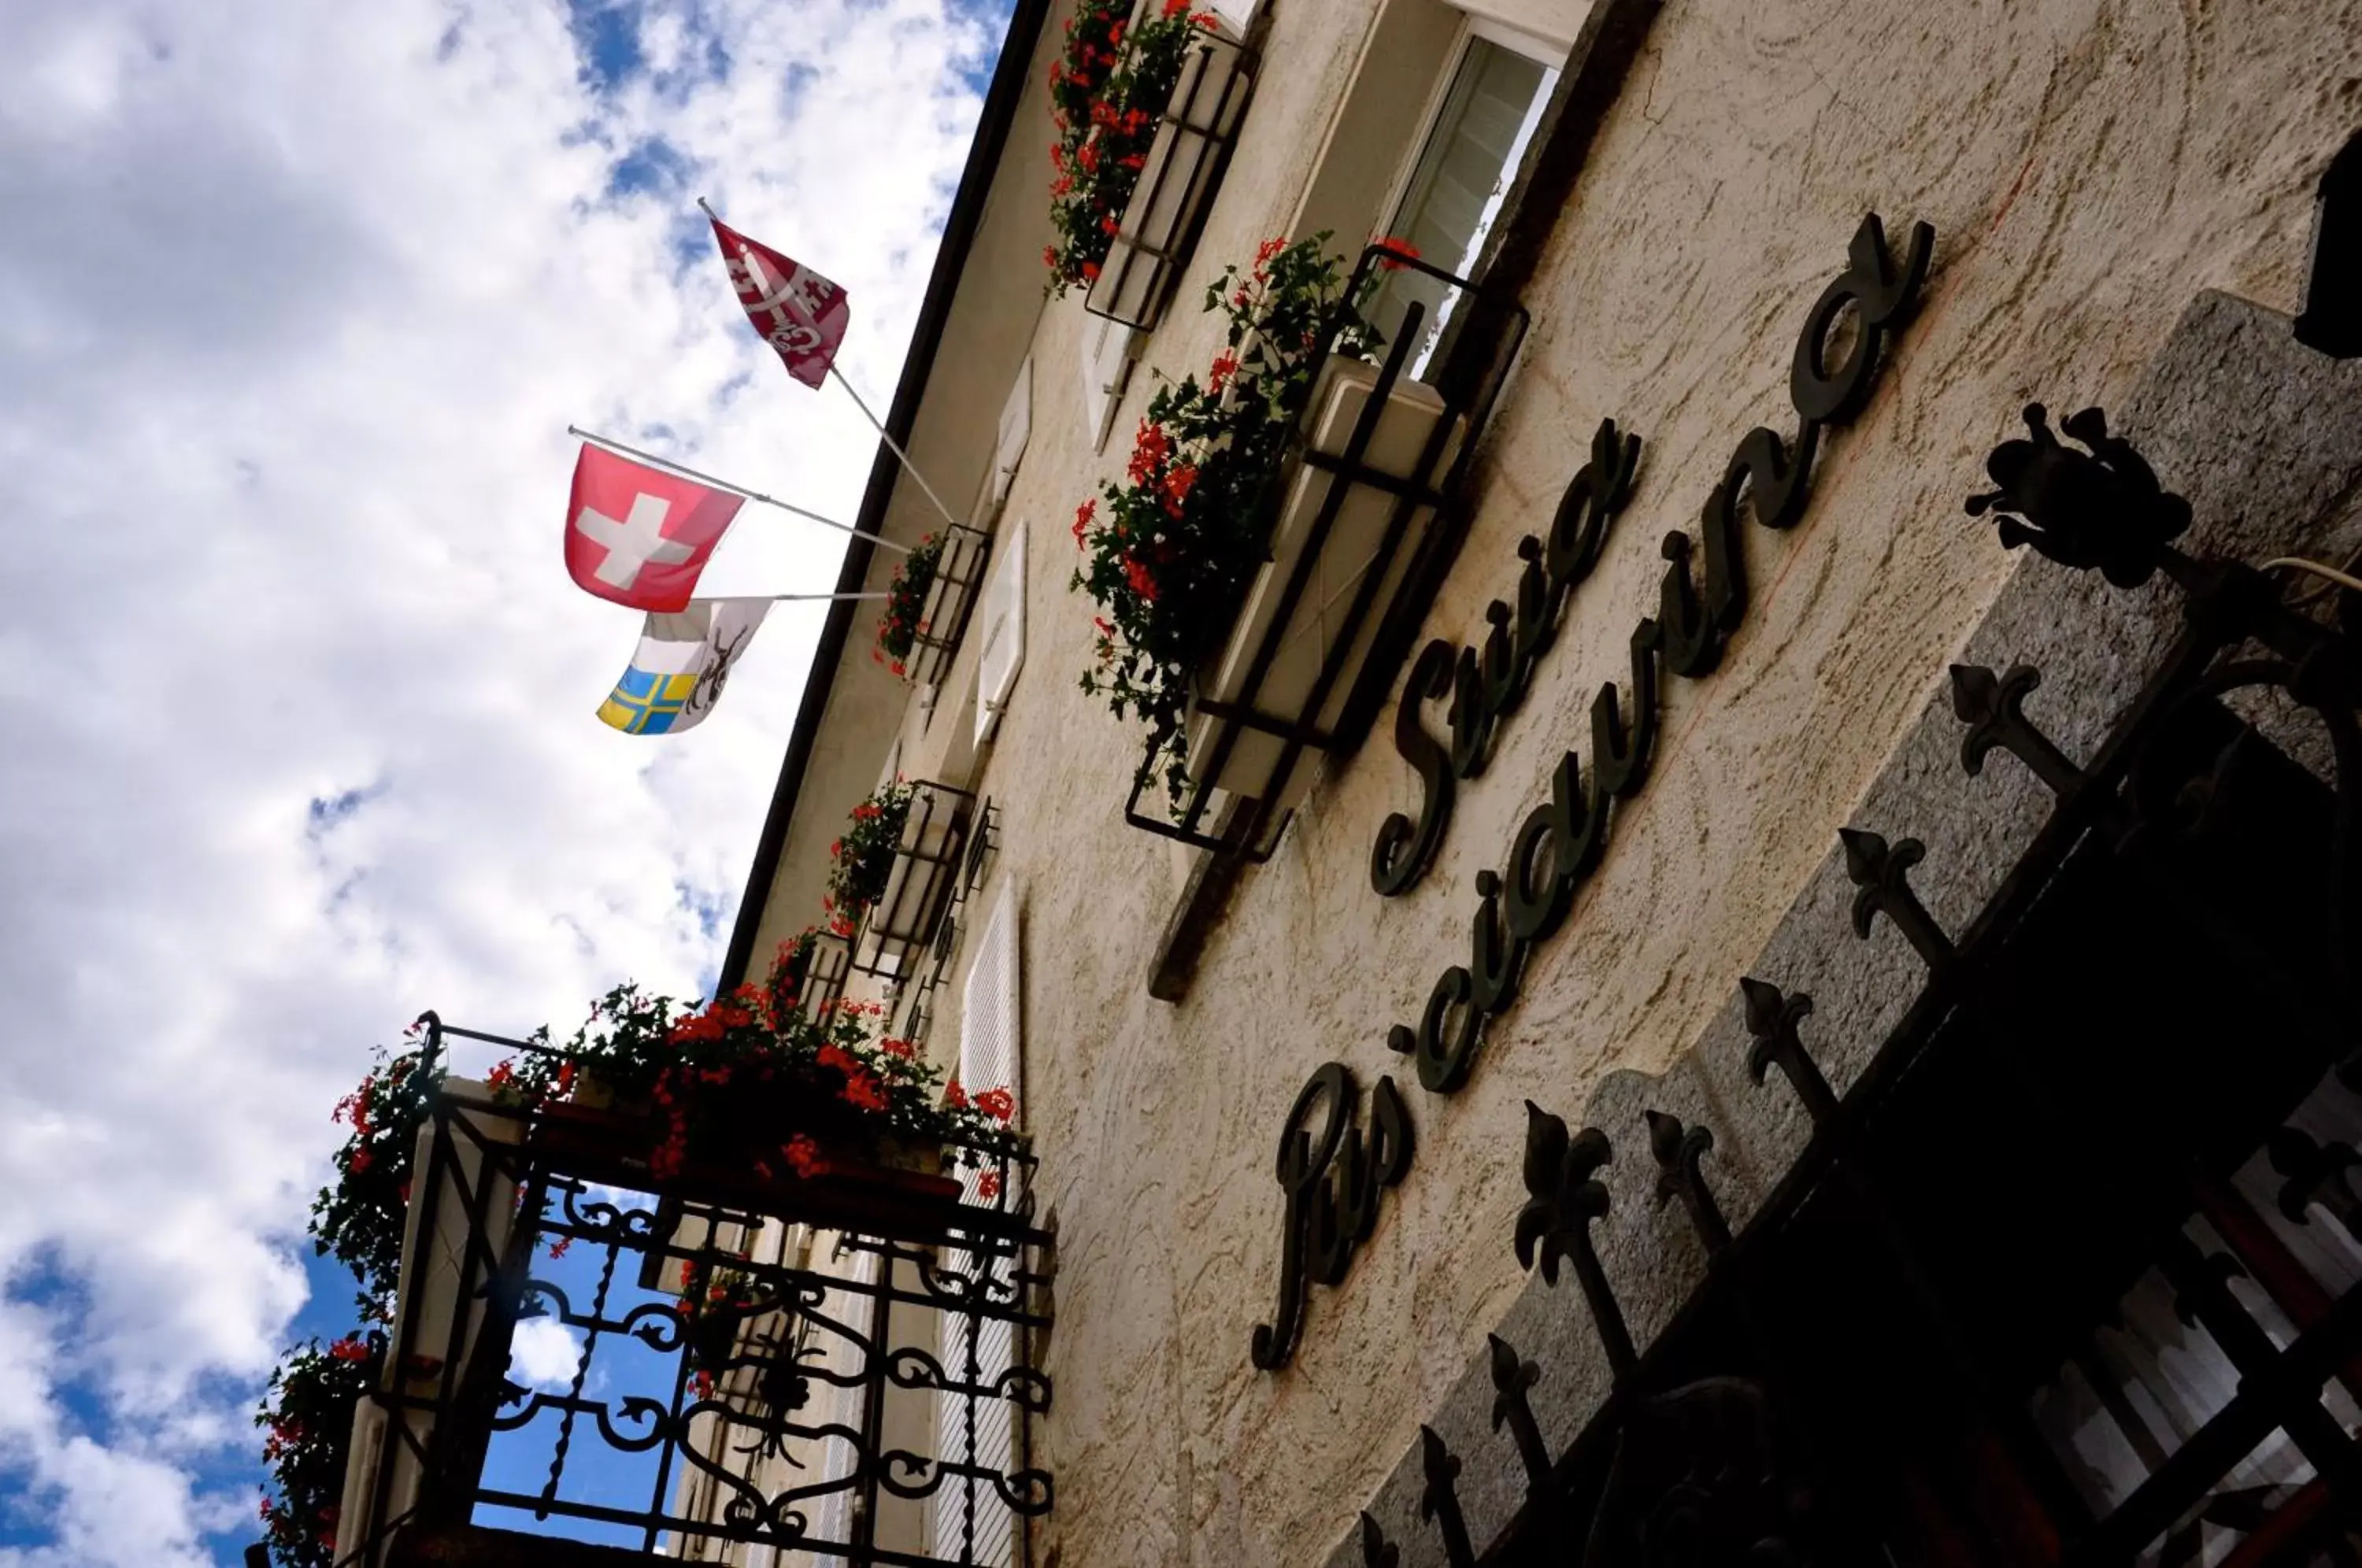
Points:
(638, 535)
(798, 312)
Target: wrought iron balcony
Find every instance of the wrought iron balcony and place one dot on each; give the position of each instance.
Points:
(589, 1366)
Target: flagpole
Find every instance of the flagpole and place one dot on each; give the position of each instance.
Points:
(788, 598)
(895, 446)
(686, 470)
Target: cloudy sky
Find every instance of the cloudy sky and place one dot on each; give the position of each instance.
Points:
(296, 301)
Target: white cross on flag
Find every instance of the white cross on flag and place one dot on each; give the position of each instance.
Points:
(798, 312)
(638, 535)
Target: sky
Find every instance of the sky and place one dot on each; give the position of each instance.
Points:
(296, 303)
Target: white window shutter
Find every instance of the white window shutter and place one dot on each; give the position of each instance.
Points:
(1004, 631)
(1106, 370)
(1016, 426)
(1237, 14)
(990, 1019)
(968, 1513)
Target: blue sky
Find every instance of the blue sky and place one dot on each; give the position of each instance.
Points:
(295, 303)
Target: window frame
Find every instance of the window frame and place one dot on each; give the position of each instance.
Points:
(1472, 29)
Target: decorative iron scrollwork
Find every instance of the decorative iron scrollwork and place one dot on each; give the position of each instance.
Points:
(745, 1362)
(1513, 1382)
(1678, 1150)
(2101, 508)
(1771, 1018)
(1695, 1482)
(1377, 1552)
(1556, 1222)
(1438, 1501)
(1882, 873)
(2316, 1173)
(1994, 707)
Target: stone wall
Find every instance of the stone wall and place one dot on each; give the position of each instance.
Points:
(2090, 167)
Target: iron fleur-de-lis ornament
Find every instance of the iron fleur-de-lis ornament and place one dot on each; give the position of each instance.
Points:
(2100, 508)
(1566, 1198)
(1561, 1172)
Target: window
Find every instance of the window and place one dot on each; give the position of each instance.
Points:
(1477, 136)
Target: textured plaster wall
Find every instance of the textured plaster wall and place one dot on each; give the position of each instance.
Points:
(2089, 168)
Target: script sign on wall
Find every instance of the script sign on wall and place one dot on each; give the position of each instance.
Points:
(1332, 1186)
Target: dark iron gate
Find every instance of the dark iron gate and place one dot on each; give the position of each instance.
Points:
(2073, 1273)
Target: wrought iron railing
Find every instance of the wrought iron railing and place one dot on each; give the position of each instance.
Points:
(928, 856)
(641, 1428)
(826, 967)
(949, 604)
(1474, 350)
(1184, 166)
(2133, 1079)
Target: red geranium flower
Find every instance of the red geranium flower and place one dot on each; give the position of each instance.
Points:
(1136, 574)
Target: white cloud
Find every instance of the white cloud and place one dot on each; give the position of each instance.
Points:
(544, 1352)
(295, 303)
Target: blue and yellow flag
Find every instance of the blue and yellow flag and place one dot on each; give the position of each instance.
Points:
(681, 666)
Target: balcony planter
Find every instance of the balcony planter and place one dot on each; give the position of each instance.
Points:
(779, 1147)
(807, 978)
(949, 601)
(900, 920)
(1359, 503)
(1184, 166)
(1170, 553)
(1262, 564)
(1129, 67)
(906, 597)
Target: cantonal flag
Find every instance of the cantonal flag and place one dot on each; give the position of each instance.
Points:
(639, 536)
(682, 663)
(798, 312)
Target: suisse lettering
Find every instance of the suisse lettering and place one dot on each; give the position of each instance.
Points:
(1486, 685)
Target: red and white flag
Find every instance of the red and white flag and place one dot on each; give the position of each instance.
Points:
(638, 535)
(798, 312)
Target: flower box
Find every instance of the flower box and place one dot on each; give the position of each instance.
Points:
(1340, 520)
(898, 926)
(852, 1180)
(949, 601)
(1176, 183)
(826, 966)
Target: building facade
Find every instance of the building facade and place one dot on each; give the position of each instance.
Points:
(2122, 199)
(1718, 1012)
